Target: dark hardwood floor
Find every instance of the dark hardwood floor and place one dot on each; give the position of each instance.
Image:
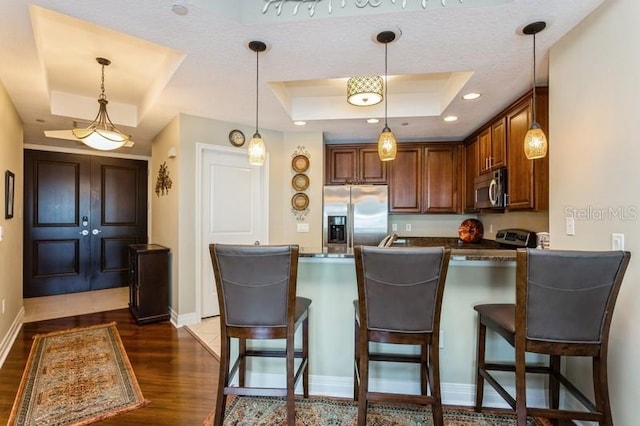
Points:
(175, 372)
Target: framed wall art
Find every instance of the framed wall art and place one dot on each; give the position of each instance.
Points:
(9, 191)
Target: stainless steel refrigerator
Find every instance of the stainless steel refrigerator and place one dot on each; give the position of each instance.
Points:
(354, 215)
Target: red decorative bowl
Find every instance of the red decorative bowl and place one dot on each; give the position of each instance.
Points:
(470, 231)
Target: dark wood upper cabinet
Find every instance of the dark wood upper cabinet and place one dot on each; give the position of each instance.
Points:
(471, 171)
(441, 170)
(492, 146)
(503, 137)
(405, 180)
(354, 164)
(528, 180)
(424, 178)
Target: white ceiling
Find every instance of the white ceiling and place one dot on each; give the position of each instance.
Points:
(199, 63)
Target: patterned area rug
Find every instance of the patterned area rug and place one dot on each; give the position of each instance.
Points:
(264, 411)
(76, 377)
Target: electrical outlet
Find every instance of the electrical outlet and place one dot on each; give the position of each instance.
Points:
(617, 241)
(3, 306)
(394, 226)
(570, 225)
(407, 227)
(302, 227)
(441, 345)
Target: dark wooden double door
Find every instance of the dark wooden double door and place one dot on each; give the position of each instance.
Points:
(81, 214)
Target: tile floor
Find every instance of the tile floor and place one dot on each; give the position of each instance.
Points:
(206, 332)
(64, 305)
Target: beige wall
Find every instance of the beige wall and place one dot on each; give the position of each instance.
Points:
(164, 208)
(594, 151)
(173, 216)
(11, 246)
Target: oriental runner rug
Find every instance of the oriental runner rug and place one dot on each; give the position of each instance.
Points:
(76, 377)
(266, 411)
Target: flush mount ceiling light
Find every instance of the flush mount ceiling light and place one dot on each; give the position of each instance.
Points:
(102, 134)
(364, 91)
(256, 148)
(535, 141)
(471, 96)
(387, 144)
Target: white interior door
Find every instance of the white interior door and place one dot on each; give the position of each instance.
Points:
(234, 200)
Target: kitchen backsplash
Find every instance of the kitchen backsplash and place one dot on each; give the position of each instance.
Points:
(447, 225)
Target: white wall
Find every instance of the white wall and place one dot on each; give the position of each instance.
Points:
(594, 151)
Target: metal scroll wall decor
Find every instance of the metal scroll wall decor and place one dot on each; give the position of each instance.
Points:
(300, 182)
(163, 182)
(311, 4)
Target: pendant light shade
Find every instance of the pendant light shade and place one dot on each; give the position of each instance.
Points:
(387, 144)
(256, 149)
(535, 141)
(364, 91)
(102, 134)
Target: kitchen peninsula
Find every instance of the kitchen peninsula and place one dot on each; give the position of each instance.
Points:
(329, 279)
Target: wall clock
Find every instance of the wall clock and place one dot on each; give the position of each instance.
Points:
(236, 137)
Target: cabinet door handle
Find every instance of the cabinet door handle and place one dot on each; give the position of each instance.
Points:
(95, 231)
(84, 232)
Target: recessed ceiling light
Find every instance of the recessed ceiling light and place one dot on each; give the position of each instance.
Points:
(373, 121)
(299, 123)
(471, 96)
(179, 9)
(450, 118)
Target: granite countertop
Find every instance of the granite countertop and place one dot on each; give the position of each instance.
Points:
(482, 250)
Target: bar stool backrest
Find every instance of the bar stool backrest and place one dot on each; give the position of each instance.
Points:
(256, 284)
(570, 295)
(402, 287)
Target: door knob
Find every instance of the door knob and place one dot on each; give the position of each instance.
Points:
(95, 231)
(256, 243)
(84, 232)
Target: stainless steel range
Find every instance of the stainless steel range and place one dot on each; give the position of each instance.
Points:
(516, 238)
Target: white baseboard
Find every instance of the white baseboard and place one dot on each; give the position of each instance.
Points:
(184, 319)
(10, 337)
(342, 387)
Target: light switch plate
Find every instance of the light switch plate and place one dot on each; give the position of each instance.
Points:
(303, 227)
(1, 233)
(570, 225)
(617, 241)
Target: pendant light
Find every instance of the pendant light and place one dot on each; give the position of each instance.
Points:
(535, 141)
(256, 148)
(387, 144)
(102, 134)
(364, 90)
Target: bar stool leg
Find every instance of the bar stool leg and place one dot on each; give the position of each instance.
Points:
(482, 334)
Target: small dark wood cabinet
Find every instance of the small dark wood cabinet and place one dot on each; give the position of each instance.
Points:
(149, 282)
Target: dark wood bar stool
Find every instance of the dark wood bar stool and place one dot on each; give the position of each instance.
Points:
(564, 304)
(399, 301)
(257, 296)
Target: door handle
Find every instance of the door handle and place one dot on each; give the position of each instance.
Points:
(256, 243)
(84, 232)
(95, 231)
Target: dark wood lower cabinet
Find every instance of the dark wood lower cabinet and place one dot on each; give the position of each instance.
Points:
(149, 282)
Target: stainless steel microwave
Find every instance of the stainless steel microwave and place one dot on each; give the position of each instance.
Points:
(491, 190)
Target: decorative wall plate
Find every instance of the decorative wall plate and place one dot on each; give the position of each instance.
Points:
(300, 163)
(236, 137)
(300, 201)
(300, 182)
